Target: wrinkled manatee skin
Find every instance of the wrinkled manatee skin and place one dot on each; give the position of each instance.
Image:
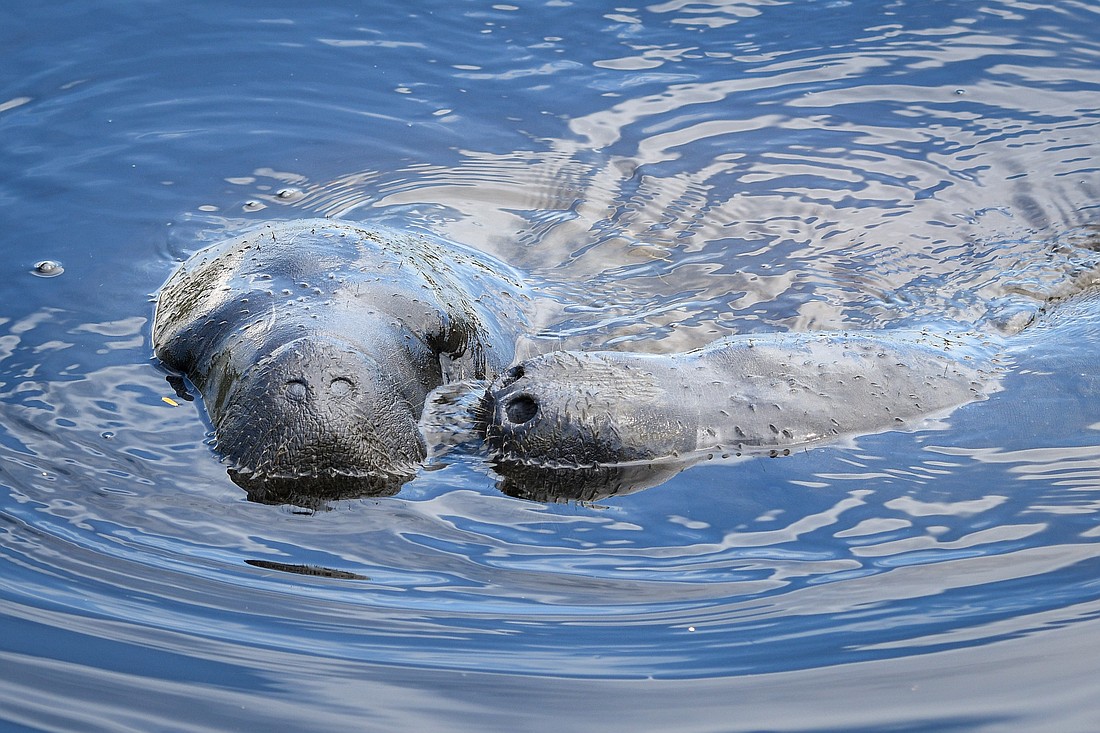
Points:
(750, 394)
(314, 343)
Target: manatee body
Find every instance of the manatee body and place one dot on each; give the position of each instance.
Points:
(747, 394)
(314, 344)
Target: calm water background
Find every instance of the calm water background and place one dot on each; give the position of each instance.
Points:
(672, 173)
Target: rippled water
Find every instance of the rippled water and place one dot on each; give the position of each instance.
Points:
(668, 174)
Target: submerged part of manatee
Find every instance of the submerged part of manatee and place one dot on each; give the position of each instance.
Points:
(316, 344)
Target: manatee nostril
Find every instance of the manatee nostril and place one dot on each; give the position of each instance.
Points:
(521, 408)
(297, 389)
(512, 375)
(341, 386)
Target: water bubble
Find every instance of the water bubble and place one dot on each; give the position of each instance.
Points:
(48, 268)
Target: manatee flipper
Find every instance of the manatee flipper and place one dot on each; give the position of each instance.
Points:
(743, 395)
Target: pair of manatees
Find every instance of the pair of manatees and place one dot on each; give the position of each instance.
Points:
(315, 345)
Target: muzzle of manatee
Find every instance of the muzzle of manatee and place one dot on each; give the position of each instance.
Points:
(314, 345)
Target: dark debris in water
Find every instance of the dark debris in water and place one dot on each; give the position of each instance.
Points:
(315, 570)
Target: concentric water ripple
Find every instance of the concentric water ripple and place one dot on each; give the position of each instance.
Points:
(900, 541)
(668, 174)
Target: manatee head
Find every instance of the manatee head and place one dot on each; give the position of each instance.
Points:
(582, 410)
(319, 418)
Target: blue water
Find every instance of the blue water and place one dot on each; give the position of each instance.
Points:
(670, 173)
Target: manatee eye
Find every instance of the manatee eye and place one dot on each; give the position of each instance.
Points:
(297, 390)
(341, 386)
(521, 408)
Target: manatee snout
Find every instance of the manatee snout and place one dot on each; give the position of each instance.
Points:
(517, 426)
(320, 415)
(581, 410)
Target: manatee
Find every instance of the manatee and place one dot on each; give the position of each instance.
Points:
(314, 344)
(590, 424)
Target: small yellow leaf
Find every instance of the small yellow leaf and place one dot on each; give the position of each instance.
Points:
(171, 401)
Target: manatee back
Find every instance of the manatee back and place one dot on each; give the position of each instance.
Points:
(782, 391)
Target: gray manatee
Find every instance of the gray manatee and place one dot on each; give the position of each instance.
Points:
(314, 344)
(588, 424)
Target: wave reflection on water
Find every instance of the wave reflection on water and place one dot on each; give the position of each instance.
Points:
(669, 174)
(900, 173)
(893, 542)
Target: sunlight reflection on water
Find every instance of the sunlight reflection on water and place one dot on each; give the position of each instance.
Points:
(668, 175)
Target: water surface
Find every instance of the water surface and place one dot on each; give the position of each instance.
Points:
(670, 173)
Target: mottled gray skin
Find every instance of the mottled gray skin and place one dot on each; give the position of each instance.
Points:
(751, 394)
(314, 343)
